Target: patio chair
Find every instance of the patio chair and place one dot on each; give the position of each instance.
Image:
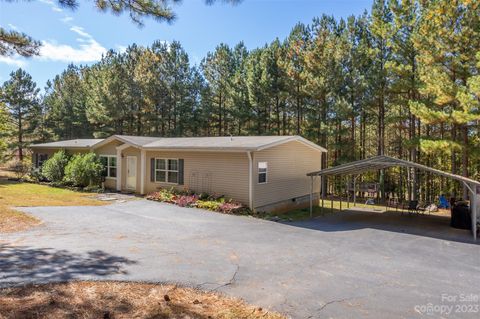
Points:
(412, 207)
(422, 208)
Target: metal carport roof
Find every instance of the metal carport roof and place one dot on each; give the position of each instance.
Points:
(383, 162)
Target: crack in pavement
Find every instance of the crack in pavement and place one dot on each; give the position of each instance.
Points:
(228, 283)
(349, 298)
(334, 301)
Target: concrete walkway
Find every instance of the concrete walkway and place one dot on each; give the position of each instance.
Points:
(350, 265)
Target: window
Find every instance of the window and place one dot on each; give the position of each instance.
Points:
(166, 170)
(262, 172)
(109, 165)
(41, 159)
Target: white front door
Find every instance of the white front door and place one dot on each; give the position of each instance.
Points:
(131, 173)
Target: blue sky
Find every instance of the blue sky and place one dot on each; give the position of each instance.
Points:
(81, 36)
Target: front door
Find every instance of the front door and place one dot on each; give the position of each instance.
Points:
(131, 173)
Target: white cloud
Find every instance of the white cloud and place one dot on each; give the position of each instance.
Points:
(88, 50)
(79, 30)
(120, 48)
(14, 61)
(52, 5)
(13, 27)
(66, 19)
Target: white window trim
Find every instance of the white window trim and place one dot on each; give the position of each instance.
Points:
(266, 173)
(109, 166)
(166, 170)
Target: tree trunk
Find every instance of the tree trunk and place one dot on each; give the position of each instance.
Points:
(20, 137)
(465, 158)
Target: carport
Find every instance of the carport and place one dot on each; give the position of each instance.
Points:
(383, 162)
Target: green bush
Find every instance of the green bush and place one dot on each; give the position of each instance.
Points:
(209, 205)
(84, 170)
(21, 169)
(54, 168)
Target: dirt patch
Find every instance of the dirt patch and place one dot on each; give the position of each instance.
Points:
(121, 300)
(14, 221)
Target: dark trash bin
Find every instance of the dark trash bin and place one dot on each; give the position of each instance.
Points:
(461, 217)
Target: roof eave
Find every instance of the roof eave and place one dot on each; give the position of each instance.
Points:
(58, 147)
(200, 149)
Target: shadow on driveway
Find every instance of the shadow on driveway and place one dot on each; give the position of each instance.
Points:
(24, 264)
(432, 226)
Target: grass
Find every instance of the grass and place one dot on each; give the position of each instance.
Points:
(28, 194)
(106, 299)
(328, 208)
(18, 194)
(13, 220)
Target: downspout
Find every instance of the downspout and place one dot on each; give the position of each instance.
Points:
(119, 170)
(143, 170)
(250, 180)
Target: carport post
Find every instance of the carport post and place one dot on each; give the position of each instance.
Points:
(348, 195)
(323, 197)
(474, 205)
(355, 190)
(311, 196)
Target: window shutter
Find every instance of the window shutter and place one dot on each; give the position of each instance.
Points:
(152, 170)
(36, 160)
(180, 171)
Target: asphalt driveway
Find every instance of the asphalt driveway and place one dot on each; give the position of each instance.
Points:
(351, 265)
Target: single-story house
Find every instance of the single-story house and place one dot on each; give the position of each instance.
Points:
(266, 173)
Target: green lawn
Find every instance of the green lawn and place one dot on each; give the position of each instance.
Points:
(17, 194)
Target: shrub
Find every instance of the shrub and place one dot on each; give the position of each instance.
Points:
(209, 205)
(163, 195)
(84, 170)
(186, 200)
(20, 169)
(230, 207)
(36, 175)
(54, 168)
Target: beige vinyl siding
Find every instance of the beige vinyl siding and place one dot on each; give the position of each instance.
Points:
(288, 165)
(108, 149)
(219, 173)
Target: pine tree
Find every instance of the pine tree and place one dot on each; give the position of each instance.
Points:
(294, 66)
(217, 68)
(403, 69)
(6, 130)
(238, 91)
(13, 42)
(446, 41)
(320, 62)
(67, 105)
(20, 95)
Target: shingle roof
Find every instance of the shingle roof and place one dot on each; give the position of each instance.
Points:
(77, 143)
(225, 142)
(136, 140)
(217, 143)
